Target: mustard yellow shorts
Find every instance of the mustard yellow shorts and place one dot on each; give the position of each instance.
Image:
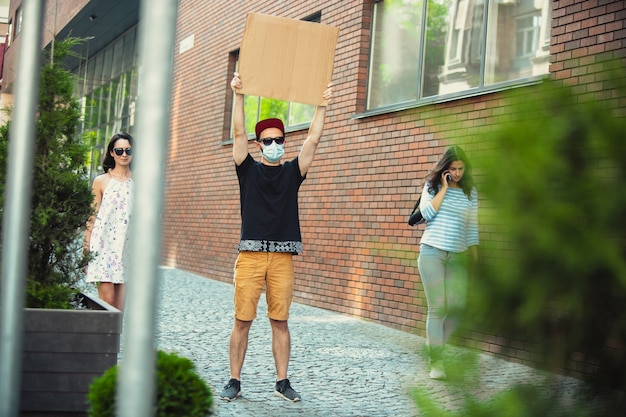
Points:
(252, 270)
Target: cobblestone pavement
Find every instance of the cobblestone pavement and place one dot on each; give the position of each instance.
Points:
(342, 366)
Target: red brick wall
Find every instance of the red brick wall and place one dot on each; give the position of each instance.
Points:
(585, 34)
(360, 255)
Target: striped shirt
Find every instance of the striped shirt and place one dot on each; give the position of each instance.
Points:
(454, 227)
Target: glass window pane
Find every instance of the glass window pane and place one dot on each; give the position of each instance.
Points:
(129, 50)
(19, 20)
(118, 56)
(107, 64)
(100, 106)
(103, 139)
(516, 32)
(435, 52)
(115, 84)
(300, 113)
(134, 83)
(89, 76)
(79, 78)
(461, 70)
(394, 59)
(97, 76)
(251, 110)
(258, 108)
(125, 125)
(123, 97)
(271, 107)
(96, 162)
(109, 103)
(91, 111)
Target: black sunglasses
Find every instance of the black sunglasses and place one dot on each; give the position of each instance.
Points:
(268, 141)
(120, 151)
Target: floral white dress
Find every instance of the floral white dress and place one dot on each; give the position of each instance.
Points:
(109, 235)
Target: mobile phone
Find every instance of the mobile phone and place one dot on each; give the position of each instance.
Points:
(448, 177)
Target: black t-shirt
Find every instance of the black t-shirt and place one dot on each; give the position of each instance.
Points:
(269, 206)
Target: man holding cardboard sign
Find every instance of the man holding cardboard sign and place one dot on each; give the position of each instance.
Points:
(270, 235)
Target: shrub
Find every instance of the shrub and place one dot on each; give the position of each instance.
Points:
(556, 270)
(61, 194)
(552, 276)
(180, 391)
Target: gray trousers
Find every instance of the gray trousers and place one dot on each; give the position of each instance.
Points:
(444, 277)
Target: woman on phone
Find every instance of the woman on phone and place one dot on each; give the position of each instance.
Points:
(449, 205)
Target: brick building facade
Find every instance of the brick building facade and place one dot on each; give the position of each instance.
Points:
(359, 254)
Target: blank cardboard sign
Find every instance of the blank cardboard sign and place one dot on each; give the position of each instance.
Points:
(287, 59)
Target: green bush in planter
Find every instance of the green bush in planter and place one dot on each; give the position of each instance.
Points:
(61, 195)
(180, 391)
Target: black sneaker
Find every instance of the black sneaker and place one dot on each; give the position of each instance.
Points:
(283, 389)
(232, 390)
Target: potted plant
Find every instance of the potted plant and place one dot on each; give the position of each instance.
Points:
(64, 346)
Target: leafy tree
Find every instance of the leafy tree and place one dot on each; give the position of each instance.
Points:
(61, 196)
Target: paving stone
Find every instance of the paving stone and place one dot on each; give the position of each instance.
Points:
(343, 366)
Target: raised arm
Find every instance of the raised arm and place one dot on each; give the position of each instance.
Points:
(309, 147)
(240, 137)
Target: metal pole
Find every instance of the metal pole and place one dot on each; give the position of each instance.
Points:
(136, 385)
(17, 207)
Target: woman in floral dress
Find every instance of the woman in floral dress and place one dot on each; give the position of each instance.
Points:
(106, 236)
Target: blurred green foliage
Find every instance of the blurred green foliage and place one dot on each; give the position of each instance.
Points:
(552, 276)
(555, 269)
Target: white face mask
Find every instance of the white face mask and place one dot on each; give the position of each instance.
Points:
(274, 152)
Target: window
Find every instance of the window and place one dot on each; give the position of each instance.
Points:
(19, 17)
(107, 86)
(425, 50)
(292, 114)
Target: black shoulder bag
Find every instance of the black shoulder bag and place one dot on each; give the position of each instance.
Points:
(416, 215)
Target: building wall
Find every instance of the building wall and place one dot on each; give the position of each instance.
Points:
(360, 255)
(57, 14)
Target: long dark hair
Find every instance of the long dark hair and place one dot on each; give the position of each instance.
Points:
(452, 154)
(109, 162)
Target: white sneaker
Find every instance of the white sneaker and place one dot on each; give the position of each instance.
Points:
(437, 370)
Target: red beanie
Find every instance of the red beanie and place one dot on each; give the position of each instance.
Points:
(268, 123)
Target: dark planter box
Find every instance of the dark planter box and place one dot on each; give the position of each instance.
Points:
(64, 350)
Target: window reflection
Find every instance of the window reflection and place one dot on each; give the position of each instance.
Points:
(107, 85)
(466, 44)
(394, 59)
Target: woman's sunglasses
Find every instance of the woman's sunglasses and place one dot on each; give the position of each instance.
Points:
(120, 151)
(268, 141)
